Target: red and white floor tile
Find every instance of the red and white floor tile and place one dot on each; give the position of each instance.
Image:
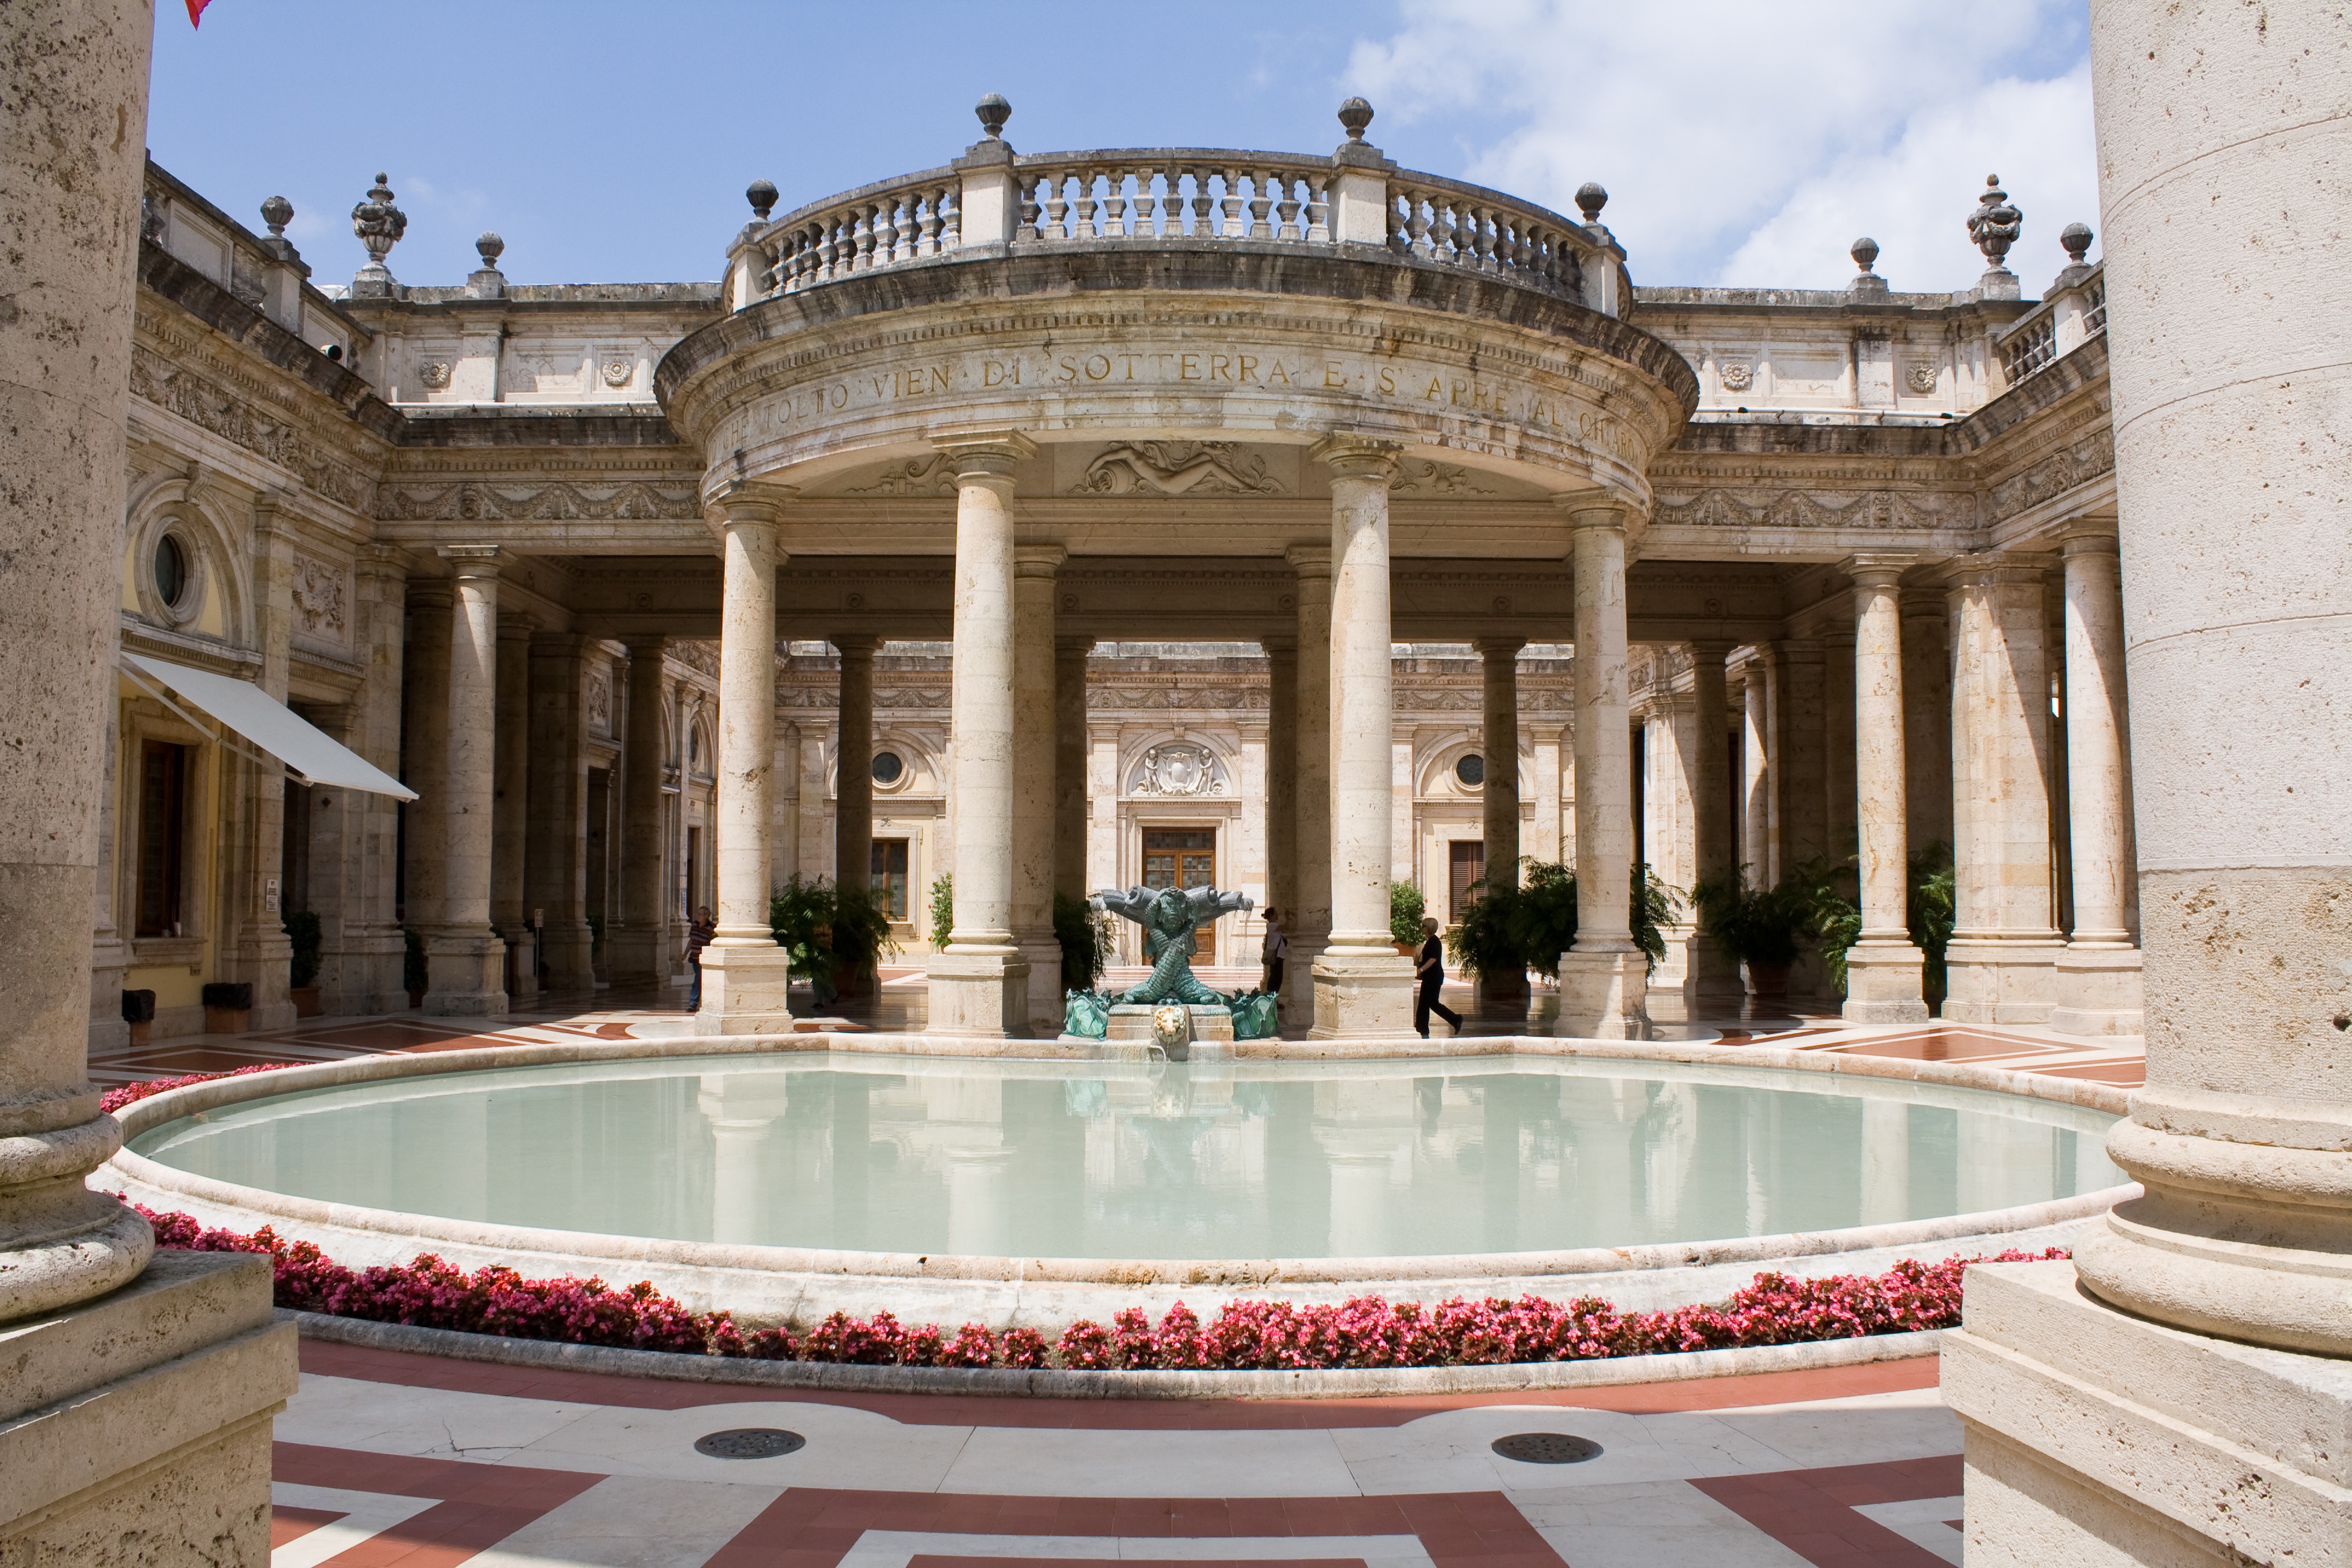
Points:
(396, 1461)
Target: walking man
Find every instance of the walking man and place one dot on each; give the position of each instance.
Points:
(698, 937)
(1272, 951)
(1432, 970)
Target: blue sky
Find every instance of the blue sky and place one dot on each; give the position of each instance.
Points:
(1745, 143)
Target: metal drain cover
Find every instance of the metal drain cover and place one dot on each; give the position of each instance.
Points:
(1546, 1448)
(749, 1443)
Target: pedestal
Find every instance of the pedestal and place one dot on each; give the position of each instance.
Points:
(1882, 984)
(2098, 991)
(745, 991)
(977, 994)
(2095, 1438)
(1363, 996)
(134, 1429)
(1993, 980)
(469, 974)
(1601, 994)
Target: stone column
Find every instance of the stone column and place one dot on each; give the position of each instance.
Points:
(360, 940)
(1803, 793)
(1311, 845)
(1927, 717)
(1070, 765)
(1883, 968)
(2099, 973)
(1363, 986)
(1603, 977)
(1758, 853)
(510, 816)
(980, 981)
(853, 789)
(2000, 962)
(1838, 742)
(2199, 1423)
(157, 1447)
(746, 977)
(1714, 978)
(1281, 779)
(556, 848)
(1499, 796)
(424, 755)
(1033, 805)
(256, 947)
(641, 948)
(468, 960)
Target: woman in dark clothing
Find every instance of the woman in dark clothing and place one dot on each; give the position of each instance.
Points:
(1432, 970)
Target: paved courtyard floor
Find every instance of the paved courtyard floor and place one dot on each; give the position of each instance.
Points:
(394, 1460)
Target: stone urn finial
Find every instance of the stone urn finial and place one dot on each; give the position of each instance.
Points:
(994, 112)
(2075, 239)
(1995, 223)
(277, 212)
(761, 194)
(1590, 199)
(487, 282)
(379, 225)
(492, 247)
(1865, 252)
(1355, 117)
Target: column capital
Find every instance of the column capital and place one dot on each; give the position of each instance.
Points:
(1279, 647)
(2089, 536)
(1065, 647)
(1878, 569)
(1350, 457)
(1309, 560)
(985, 455)
(515, 626)
(430, 594)
(1718, 649)
(655, 647)
(849, 645)
(1598, 507)
(469, 560)
(388, 561)
(1040, 560)
(1505, 647)
(1996, 567)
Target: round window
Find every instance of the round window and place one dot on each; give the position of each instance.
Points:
(1471, 769)
(889, 767)
(171, 569)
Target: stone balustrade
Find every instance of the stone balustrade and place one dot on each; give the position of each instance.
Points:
(994, 203)
(2071, 314)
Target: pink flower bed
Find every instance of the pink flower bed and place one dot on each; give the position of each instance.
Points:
(1367, 1331)
(114, 1099)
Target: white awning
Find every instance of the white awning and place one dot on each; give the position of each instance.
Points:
(302, 746)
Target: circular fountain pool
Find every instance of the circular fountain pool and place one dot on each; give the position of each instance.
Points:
(1048, 1189)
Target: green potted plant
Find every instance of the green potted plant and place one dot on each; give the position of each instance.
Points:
(835, 936)
(1510, 931)
(942, 909)
(1930, 915)
(1406, 908)
(302, 928)
(1763, 928)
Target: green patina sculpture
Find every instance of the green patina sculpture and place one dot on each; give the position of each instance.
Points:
(1169, 916)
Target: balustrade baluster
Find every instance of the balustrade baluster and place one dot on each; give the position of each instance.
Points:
(1287, 209)
(934, 220)
(886, 232)
(1057, 209)
(1202, 228)
(1116, 206)
(1084, 224)
(1484, 226)
(1260, 200)
(1231, 228)
(1030, 188)
(1423, 213)
(951, 206)
(1318, 210)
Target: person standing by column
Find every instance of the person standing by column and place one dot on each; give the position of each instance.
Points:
(1271, 952)
(698, 937)
(1430, 971)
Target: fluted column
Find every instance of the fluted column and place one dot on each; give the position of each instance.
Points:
(510, 813)
(1070, 765)
(1362, 985)
(1713, 978)
(979, 983)
(641, 950)
(1499, 795)
(2200, 1422)
(745, 975)
(468, 960)
(1603, 977)
(853, 789)
(1311, 784)
(1883, 968)
(1033, 566)
(2002, 961)
(2099, 973)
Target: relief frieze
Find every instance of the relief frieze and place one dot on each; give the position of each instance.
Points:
(270, 434)
(1721, 509)
(320, 600)
(2084, 462)
(1175, 468)
(635, 500)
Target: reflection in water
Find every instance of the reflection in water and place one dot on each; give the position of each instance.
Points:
(1207, 1159)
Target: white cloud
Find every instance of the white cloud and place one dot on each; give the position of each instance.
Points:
(1751, 144)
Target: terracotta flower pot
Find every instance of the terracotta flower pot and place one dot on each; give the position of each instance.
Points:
(306, 1001)
(227, 1020)
(1769, 982)
(141, 1031)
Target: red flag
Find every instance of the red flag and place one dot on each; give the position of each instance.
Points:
(197, 12)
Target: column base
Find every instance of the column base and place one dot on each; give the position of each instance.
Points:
(640, 956)
(2098, 991)
(468, 972)
(1298, 975)
(1045, 1005)
(1361, 992)
(745, 991)
(134, 1429)
(1882, 982)
(2001, 980)
(983, 995)
(2094, 1438)
(1602, 994)
(564, 951)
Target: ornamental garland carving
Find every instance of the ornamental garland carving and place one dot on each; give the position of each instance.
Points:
(2084, 462)
(320, 598)
(1175, 468)
(1439, 480)
(634, 501)
(1814, 509)
(265, 432)
(934, 476)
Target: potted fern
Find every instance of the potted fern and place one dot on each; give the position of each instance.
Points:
(1763, 928)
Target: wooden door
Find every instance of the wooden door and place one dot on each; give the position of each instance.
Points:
(1466, 864)
(1184, 857)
